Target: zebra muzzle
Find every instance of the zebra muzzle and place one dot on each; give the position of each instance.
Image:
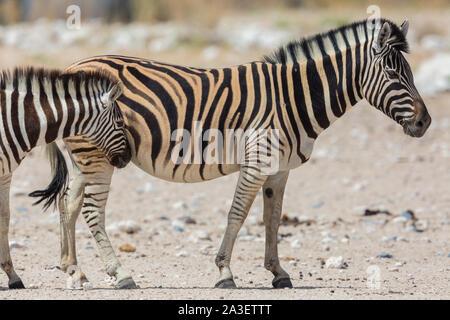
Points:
(121, 160)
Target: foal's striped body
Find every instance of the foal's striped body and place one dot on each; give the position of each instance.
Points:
(299, 91)
(39, 106)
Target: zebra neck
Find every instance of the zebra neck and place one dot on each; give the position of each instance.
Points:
(324, 89)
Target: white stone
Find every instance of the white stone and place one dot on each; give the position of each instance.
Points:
(246, 238)
(335, 263)
(16, 245)
(400, 219)
(87, 286)
(35, 285)
(208, 250)
(182, 254)
(128, 226)
(180, 205)
(199, 235)
(296, 243)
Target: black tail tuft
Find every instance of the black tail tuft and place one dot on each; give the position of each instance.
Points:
(58, 185)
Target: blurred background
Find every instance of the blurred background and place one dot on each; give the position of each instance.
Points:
(56, 33)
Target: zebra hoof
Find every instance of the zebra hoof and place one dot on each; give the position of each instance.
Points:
(16, 284)
(226, 284)
(127, 283)
(282, 283)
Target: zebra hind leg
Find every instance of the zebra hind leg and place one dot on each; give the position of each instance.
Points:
(69, 208)
(250, 181)
(5, 257)
(273, 191)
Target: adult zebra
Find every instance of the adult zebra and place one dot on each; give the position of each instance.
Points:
(299, 90)
(38, 106)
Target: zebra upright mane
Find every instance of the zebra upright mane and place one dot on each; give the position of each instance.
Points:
(11, 78)
(312, 47)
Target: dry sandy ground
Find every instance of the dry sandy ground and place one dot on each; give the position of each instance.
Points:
(363, 161)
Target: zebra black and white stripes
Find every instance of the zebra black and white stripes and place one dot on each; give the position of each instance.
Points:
(299, 91)
(37, 107)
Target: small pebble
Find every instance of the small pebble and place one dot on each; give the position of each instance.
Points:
(182, 254)
(318, 205)
(385, 255)
(87, 286)
(335, 263)
(180, 205)
(296, 243)
(16, 245)
(126, 247)
(35, 286)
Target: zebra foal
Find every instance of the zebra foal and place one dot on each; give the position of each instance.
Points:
(298, 92)
(37, 107)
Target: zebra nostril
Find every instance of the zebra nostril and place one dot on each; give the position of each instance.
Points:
(419, 123)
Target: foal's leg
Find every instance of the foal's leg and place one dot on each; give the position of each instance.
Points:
(5, 257)
(273, 191)
(250, 181)
(94, 174)
(70, 208)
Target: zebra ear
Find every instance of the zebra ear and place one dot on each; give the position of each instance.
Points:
(383, 36)
(115, 92)
(404, 27)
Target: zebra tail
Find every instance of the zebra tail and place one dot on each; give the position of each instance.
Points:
(58, 185)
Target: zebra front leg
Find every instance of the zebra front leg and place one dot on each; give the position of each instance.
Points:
(273, 191)
(70, 208)
(95, 197)
(5, 257)
(249, 182)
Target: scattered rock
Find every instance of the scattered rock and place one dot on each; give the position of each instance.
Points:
(408, 215)
(35, 285)
(296, 243)
(385, 255)
(289, 221)
(336, 263)
(180, 205)
(199, 235)
(147, 187)
(128, 226)
(420, 225)
(208, 250)
(318, 205)
(369, 212)
(246, 237)
(127, 248)
(400, 219)
(16, 245)
(149, 218)
(182, 254)
(87, 286)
